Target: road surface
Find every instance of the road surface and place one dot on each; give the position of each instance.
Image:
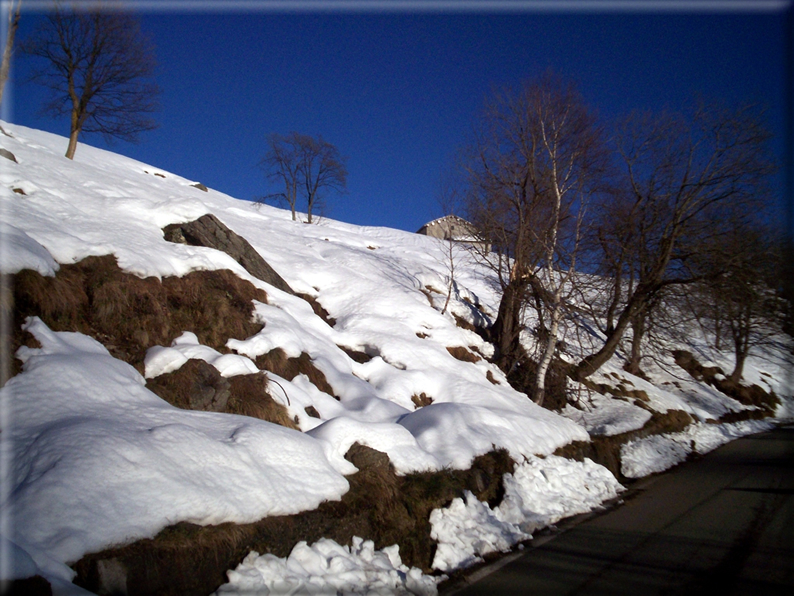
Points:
(721, 525)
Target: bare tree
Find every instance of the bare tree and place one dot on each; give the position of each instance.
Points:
(98, 67)
(322, 170)
(282, 165)
(306, 167)
(742, 302)
(530, 173)
(14, 8)
(686, 182)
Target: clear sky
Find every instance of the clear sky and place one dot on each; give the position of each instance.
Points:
(397, 86)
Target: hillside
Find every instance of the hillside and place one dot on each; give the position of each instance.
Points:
(137, 407)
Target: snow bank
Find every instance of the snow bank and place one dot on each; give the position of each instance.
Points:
(543, 491)
(328, 568)
(539, 493)
(98, 459)
(661, 452)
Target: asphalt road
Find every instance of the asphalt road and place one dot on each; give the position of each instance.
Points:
(721, 525)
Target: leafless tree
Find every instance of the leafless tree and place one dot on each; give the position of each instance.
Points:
(282, 165)
(306, 166)
(530, 173)
(743, 302)
(98, 66)
(14, 8)
(686, 181)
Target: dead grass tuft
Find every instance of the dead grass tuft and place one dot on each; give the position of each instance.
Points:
(356, 355)
(421, 400)
(463, 354)
(276, 361)
(318, 309)
(249, 397)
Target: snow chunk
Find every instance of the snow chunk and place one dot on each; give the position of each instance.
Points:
(400, 445)
(160, 360)
(468, 529)
(457, 433)
(542, 491)
(329, 568)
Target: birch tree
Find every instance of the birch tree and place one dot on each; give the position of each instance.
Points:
(531, 170)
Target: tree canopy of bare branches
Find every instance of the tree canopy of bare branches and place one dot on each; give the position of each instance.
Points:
(305, 167)
(98, 67)
(530, 172)
(686, 182)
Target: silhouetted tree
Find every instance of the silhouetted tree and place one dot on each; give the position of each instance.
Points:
(98, 67)
(307, 167)
(530, 172)
(686, 183)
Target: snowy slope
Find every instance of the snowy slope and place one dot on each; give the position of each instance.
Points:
(91, 458)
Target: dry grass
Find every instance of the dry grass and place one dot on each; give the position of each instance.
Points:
(463, 354)
(421, 400)
(129, 314)
(318, 309)
(356, 355)
(276, 361)
(605, 450)
(249, 397)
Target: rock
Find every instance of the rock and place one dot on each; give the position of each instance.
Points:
(209, 231)
(8, 155)
(200, 186)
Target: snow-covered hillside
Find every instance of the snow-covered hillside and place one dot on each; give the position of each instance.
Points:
(92, 458)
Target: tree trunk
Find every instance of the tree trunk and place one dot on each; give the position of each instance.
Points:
(507, 327)
(638, 331)
(738, 368)
(548, 353)
(588, 365)
(72, 143)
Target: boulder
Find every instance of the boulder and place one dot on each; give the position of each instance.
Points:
(209, 231)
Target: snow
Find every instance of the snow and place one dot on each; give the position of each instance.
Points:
(98, 459)
(91, 458)
(540, 492)
(325, 567)
(661, 452)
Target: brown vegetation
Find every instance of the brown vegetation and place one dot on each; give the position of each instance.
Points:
(277, 362)
(463, 354)
(318, 309)
(129, 314)
(605, 450)
(421, 400)
(187, 559)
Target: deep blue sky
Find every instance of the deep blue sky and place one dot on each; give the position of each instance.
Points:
(398, 92)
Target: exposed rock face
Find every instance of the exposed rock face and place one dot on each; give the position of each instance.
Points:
(209, 231)
(8, 155)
